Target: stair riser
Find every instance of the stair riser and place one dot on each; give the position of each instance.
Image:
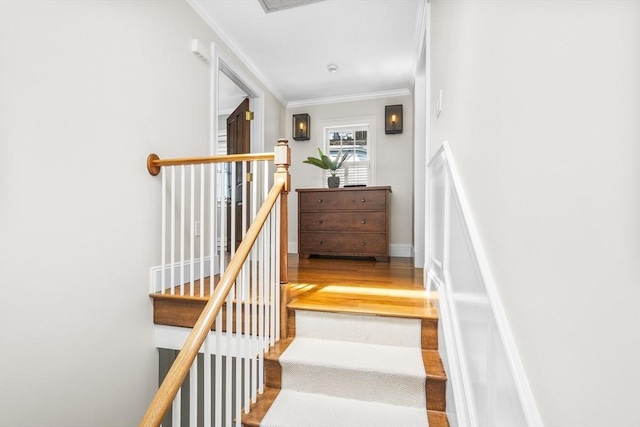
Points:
(370, 329)
(185, 313)
(436, 390)
(429, 334)
(429, 331)
(378, 387)
(272, 373)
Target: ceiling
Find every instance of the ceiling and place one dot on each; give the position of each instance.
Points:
(374, 43)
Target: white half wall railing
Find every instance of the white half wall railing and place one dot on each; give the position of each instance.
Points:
(205, 207)
(219, 371)
(487, 383)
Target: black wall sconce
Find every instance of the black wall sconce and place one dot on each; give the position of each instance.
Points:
(393, 119)
(301, 125)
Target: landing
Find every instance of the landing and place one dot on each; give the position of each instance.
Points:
(393, 288)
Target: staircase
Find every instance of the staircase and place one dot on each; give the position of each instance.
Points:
(361, 335)
(361, 358)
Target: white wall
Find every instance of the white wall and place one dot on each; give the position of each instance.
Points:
(89, 89)
(541, 107)
(394, 154)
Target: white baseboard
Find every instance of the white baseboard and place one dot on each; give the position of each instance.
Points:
(155, 273)
(403, 251)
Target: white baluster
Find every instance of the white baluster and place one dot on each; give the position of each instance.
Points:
(193, 394)
(175, 409)
(182, 220)
(208, 395)
(203, 232)
(163, 243)
(192, 233)
(173, 228)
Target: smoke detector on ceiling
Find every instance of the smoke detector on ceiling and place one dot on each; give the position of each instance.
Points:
(333, 68)
(275, 5)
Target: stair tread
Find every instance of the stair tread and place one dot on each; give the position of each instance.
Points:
(407, 302)
(277, 349)
(260, 408)
(364, 308)
(309, 406)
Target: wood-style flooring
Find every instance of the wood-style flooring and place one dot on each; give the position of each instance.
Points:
(393, 288)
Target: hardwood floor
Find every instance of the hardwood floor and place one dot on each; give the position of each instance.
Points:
(393, 288)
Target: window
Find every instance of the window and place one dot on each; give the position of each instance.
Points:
(354, 140)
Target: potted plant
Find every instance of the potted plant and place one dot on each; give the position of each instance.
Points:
(324, 162)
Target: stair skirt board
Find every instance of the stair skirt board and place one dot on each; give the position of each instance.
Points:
(340, 370)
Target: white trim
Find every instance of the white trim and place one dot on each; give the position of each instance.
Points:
(427, 115)
(422, 145)
(349, 98)
(370, 121)
(530, 408)
(453, 356)
(421, 30)
(155, 273)
(223, 63)
(458, 360)
(401, 250)
(207, 17)
(174, 337)
(293, 247)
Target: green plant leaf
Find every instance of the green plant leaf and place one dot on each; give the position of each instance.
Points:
(315, 162)
(328, 162)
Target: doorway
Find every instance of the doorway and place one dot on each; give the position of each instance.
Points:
(238, 142)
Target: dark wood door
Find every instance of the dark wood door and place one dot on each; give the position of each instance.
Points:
(238, 142)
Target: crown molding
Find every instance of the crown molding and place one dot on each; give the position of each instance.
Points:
(349, 98)
(207, 17)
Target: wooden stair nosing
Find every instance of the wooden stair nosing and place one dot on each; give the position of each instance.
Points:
(259, 409)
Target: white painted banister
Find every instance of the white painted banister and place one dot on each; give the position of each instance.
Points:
(487, 383)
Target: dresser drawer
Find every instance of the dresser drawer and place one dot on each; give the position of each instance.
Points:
(352, 221)
(343, 200)
(343, 243)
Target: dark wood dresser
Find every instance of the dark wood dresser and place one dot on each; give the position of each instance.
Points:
(344, 221)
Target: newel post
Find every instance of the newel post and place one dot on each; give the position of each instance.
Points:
(282, 160)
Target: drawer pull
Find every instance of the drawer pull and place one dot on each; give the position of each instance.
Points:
(320, 222)
(319, 200)
(364, 200)
(362, 243)
(363, 221)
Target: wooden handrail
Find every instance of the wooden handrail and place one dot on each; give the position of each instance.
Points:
(154, 163)
(175, 377)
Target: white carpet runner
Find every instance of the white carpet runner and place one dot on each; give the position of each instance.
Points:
(351, 370)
